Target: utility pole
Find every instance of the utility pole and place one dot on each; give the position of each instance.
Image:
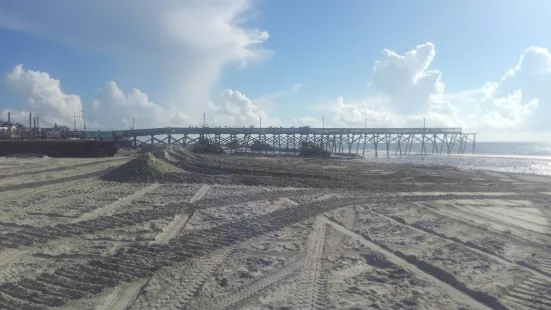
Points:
(204, 119)
(366, 123)
(424, 124)
(30, 125)
(261, 122)
(322, 122)
(423, 150)
(133, 126)
(36, 127)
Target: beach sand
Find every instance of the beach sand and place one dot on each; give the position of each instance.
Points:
(169, 229)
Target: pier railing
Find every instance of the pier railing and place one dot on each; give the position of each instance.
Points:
(280, 130)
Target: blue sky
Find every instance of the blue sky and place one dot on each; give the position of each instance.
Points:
(307, 59)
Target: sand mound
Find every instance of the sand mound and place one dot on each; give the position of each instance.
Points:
(166, 155)
(180, 152)
(146, 168)
(150, 148)
(176, 164)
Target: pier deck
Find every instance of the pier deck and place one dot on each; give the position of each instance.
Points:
(336, 140)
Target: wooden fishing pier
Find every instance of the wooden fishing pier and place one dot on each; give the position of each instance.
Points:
(399, 141)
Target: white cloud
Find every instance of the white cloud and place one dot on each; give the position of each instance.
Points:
(233, 108)
(43, 96)
(406, 89)
(95, 104)
(117, 109)
(406, 80)
(112, 108)
(519, 101)
(187, 41)
(520, 92)
(357, 113)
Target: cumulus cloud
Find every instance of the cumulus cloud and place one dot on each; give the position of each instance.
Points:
(233, 108)
(406, 89)
(372, 112)
(521, 91)
(187, 41)
(118, 109)
(403, 90)
(42, 94)
(113, 108)
(406, 80)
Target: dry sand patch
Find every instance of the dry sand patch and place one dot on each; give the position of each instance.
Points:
(173, 229)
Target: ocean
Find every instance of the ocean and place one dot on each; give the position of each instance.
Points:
(521, 157)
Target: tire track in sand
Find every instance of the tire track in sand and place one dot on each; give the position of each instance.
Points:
(469, 245)
(238, 299)
(10, 256)
(174, 228)
(458, 217)
(191, 278)
(456, 293)
(197, 273)
(248, 197)
(532, 293)
(124, 201)
(55, 206)
(57, 181)
(546, 266)
(243, 294)
(312, 291)
(122, 299)
(31, 236)
(93, 221)
(469, 214)
(49, 189)
(141, 261)
(66, 167)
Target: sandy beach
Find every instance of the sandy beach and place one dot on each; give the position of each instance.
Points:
(169, 229)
